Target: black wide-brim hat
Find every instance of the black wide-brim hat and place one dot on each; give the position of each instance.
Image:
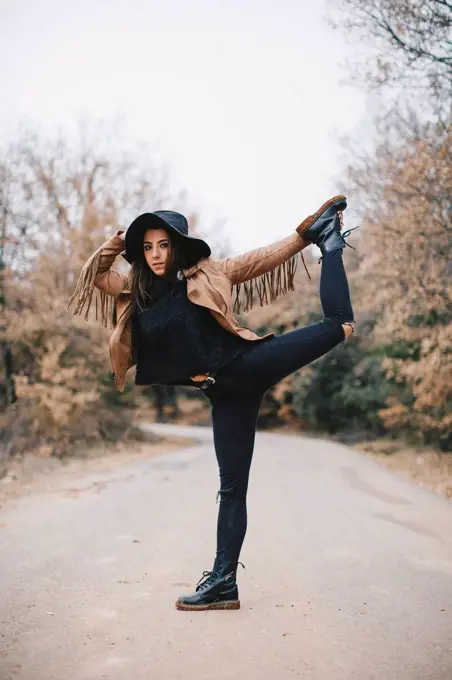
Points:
(175, 224)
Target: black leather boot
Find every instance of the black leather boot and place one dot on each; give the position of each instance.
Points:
(314, 225)
(217, 589)
(326, 230)
(330, 237)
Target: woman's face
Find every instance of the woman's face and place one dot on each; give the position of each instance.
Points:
(157, 250)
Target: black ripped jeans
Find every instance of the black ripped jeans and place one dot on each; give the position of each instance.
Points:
(237, 394)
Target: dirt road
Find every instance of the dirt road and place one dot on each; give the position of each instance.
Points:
(348, 572)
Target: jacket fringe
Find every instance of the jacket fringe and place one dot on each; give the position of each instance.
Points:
(266, 288)
(104, 305)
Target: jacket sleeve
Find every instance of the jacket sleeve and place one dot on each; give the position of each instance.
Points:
(98, 273)
(255, 263)
(107, 279)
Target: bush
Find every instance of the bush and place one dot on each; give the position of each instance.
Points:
(342, 391)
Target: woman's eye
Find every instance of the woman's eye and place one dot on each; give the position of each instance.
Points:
(147, 247)
(164, 245)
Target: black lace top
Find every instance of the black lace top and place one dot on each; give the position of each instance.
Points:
(175, 339)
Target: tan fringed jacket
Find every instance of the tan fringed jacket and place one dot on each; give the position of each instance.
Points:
(267, 271)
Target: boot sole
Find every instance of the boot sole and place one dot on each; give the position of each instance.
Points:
(312, 218)
(227, 604)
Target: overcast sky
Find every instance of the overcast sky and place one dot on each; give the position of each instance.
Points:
(244, 97)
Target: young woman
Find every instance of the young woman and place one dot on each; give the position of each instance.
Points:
(173, 319)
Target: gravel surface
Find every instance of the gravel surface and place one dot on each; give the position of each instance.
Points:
(348, 571)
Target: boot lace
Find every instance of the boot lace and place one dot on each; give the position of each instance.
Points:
(206, 578)
(344, 235)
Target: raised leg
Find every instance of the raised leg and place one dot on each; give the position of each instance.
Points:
(269, 361)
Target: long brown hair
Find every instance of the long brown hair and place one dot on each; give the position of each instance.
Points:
(143, 278)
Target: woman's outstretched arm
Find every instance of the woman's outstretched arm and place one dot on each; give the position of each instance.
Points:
(108, 279)
(98, 273)
(255, 263)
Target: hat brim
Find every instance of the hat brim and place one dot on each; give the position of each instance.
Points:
(194, 248)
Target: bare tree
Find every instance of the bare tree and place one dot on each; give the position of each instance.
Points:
(410, 42)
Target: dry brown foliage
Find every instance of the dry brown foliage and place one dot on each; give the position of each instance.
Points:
(60, 199)
(407, 275)
(405, 187)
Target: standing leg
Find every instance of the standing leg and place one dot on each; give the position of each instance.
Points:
(234, 417)
(234, 428)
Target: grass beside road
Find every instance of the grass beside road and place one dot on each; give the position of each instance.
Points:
(424, 466)
(31, 474)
